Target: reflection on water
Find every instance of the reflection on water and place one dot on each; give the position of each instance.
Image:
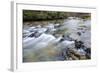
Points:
(57, 40)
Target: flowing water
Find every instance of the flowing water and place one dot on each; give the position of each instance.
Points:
(48, 40)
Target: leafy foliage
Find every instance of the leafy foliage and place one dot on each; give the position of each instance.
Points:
(33, 15)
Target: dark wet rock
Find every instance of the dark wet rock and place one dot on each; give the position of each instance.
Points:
(35, 34)
(62, 39)
(78, 44)
(79, 33)
(88, 56)
(32, 35)
(88, 50)
(67, 37)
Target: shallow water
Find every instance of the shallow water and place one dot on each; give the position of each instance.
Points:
(43, 40)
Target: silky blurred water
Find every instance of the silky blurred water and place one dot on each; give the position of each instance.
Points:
(42, 41)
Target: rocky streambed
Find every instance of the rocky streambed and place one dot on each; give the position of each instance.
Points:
(68, 39)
